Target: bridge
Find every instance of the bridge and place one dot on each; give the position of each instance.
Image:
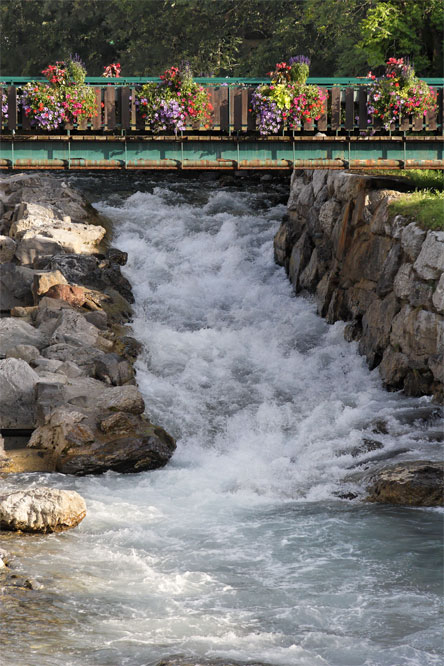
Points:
(118, 139)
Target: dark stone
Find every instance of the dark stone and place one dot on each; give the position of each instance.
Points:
(87, 271)
(116, 256)
(122, 454)
(389, 270)
(419, 483)
(113, 369)
(15, 286)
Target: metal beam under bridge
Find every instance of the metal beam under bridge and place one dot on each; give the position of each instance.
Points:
(200, 152)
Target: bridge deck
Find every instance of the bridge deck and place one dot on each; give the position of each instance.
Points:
(117, 137)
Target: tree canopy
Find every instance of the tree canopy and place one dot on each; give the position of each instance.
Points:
(221, 37)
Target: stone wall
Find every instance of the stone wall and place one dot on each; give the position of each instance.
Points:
(381, 273)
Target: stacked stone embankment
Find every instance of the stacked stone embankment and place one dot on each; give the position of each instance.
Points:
(381, 273)
(384, 275)
(66, 353)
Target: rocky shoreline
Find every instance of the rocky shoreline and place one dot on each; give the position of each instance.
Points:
(66, 354)
(383, 275)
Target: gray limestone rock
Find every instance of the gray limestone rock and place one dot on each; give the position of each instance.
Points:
(438, 295)
(412, 238)
(27, 353)
(41, 510)
(14, 331)
(7, 249)
(15, 286)
(17, 385)
(430, 262)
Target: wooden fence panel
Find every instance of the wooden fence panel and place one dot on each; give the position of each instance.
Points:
(441, 109)
(404, 123)
(418, 123)
(125, 108)
(133, 109)
(432, 120)
(335, 108)
(215, 101)
(110, 107)
(323, 122)
(236, 109)
(12, 108)
(251, 118)
(349, 108)
(97, 119)
(224, 110)
(362, 108)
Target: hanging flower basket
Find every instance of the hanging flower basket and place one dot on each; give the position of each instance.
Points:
(288, 101)
(399, 93)
(174, 103)
(65, 98)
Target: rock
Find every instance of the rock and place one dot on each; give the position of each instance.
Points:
(319, 181)
(17, 406)
(70, 369)
(88, 271)
(71, 328)
(329, 214)
(71, 294)
(419, 483)
(121, 398)
(20, 461)
(198, 661)
(389, 270)
(128, 347)
(98, 319)
(43, 281)
(27, 353)
(48, 308)
(7, 249)
(393, 368)
(376, 326)
(412, 238)
(310, 275)
(430, 262)
(46, 365)
(15, 286)
(300, 256)
(403, 281)
(93, 441)
(15, 332)
(85, 357)
(32, 247)
(41, 510)
(438, 295)
(417, 333)
(116, 256)
(113, 369)
(436, 365)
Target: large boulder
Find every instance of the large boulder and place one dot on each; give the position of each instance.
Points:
(93, 442)
(41, 510)
(14, 331)
(198, 661)
(419, 483)
(89, 271)
(17, 386)
(15, 286)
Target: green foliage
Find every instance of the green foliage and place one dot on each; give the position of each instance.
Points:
(221, 37)
(424, 206)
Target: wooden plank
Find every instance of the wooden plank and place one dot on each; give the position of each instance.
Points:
(308, 126)
(110, 107)
(244, 113)
(133, 109)
(441, 109)
(1, 107)
(404, 123)
(236, 96)
(418, 123)
(125, 108)
(349, 108)
(362, 106)
(251, 119)
(216, 104)
(335, 108)
(224, 110)
(12, 108)
(432, 119)
(97, 120)
(210, 122)
(377, 122)
(323, 122)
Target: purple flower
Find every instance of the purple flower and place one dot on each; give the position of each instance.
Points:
(304, 60)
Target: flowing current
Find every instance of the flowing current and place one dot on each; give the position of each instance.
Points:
(242, 546)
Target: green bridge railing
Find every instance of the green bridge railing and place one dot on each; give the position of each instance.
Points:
(118, 138)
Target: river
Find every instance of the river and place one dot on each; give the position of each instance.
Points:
(241, 547)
